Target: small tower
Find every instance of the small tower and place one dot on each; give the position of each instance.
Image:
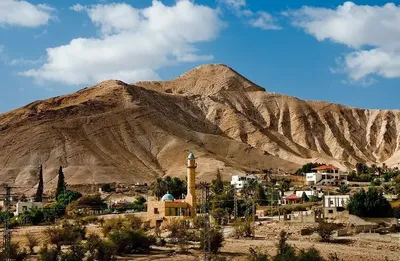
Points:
(191, 184)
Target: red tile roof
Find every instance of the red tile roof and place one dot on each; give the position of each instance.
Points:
(325, 167)
(292, 197)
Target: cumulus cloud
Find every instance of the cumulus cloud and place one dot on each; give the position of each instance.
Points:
(134, 43)
(372, 31)
(260, 19)
(25, 14)
(264, 21)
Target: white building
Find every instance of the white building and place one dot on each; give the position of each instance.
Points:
(309, 193)
(334, 205)
(326, 175)
(336, 201)
(21, 207)
(238, 181)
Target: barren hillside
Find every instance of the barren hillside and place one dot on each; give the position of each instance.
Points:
(116, 132)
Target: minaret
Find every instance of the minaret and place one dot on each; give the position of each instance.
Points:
(191, 184)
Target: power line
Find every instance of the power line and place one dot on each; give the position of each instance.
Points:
(7, 230)
(205, 194)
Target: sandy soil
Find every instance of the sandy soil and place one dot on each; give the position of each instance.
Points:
(362, 247)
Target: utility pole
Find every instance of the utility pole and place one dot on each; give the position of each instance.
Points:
(235, 202)
(205, 194)
(7, 230)
(254, 219)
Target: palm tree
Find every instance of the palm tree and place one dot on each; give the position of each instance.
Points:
(158, 188)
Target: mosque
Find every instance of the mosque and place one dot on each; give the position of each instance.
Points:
(168, 206)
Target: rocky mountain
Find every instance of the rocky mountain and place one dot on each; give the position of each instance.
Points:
(118, 132)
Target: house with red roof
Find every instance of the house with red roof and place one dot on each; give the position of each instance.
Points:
(326, 175)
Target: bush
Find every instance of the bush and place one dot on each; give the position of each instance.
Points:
(131, 241)
(310, 254)
(106, 188)
(32, 242)
(376, 182)
(48, 254)
(243, 228)
(286, 252)
(396, 209)
(67, 234)
(89, 220)
(75, 253)
(325, 230)
(99, 249)
(220, 216)
(255, 254)
(216, 239)
(15, 253)
(121, 223)
(90, 201)
(370, 204)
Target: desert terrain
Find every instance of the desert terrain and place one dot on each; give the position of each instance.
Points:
(128, 133)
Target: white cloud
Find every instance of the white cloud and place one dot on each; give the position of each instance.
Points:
(132, 48)
(373, 31)
(77, 8)
(22, 13)
(260, 19)
(264, 21)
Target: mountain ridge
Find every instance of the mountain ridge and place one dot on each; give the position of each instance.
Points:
(130, 133)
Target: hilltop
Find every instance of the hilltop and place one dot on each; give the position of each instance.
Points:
(119, 132)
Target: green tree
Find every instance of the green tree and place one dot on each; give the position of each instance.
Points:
(304, 197)
(260, 196)
(61, 185)
(68, 196)
(106, 188)
(370, 204)
(217, 185)
(39, 191)
(307, 168)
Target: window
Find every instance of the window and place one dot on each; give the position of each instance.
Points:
(331, 202)
(24, 208)
(156, 211)
(330, 211)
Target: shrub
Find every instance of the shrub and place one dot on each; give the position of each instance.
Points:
(15, 253)
(243, 228)
(48, 254)
(32, 242)
(255, 254)
(75, 253)
(99, 249)
(310, 254)
(216, 240)
(67, 234)
(106, 188)
(220, 216)
(89, 220)
(325, 230)
(121, 223)
(131, 241)
(286, 252)
(396, 209)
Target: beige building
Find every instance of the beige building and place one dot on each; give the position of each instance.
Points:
(168, 206)
(22, 207)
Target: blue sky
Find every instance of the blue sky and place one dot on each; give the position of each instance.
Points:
(346, 53)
